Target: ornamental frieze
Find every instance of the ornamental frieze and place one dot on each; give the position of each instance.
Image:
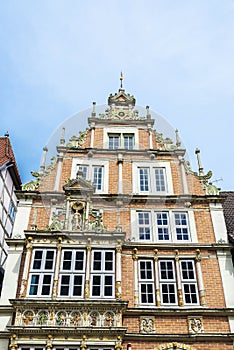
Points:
(68, 317)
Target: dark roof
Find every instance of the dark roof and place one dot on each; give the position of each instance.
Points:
(228, 209)
(7, 158)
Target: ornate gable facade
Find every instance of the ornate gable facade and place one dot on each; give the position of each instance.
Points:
(118, 244)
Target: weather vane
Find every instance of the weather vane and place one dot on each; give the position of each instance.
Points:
(121, 80)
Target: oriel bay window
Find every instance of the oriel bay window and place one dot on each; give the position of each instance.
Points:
(42, 273)
(168, 282)
(72, 273)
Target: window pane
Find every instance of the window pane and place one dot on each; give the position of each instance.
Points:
(162, 226)
(144, 179)
(166, 270)
(168, 294)
(49, 260)
(146, 291)
(97, 263)
(67, 258)
(79, 263)
(78, 282)
(84, 170)
(182, 231)
(108, 289)
(46, 285)
(187, 270)
(34, 285)
(37, 259)
(96, 286)
(114, 142)
(160, 184)
(190, 294)
(97, 178)
(128, 142)
(144, 227)
(65, 281)
(108, 261)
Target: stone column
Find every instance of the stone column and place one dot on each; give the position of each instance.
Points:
(23, 289)
(92, 127)
(179, 285)
(87, 281)
(120, 173)
(57, 267)
(158, 299)
(58, 173)
(200, 279)
(135, 268)
(118, 278)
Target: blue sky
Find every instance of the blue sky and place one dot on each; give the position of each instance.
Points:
(56, 57)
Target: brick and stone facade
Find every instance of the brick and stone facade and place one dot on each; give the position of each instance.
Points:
(119, 245)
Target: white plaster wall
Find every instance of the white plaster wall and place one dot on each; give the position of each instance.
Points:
(3, 344)
(5, 320)
(22, 218)
(231, 323)
(218, 221)
(227, 274)
(11, 274)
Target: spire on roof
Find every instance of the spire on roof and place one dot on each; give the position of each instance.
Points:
(121, 80)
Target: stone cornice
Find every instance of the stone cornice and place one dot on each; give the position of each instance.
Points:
(174, 311)
(175, 245)
(101, 304)
(75, 331)
(187, 338)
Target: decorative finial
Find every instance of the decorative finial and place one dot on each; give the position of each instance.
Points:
(121, 80)
(94, 109)
(6, 134)
(148, 116)
(62, 140)
(178, 142)
(42, 167)
(200, 168)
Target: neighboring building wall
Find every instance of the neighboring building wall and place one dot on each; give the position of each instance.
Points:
(9, 183)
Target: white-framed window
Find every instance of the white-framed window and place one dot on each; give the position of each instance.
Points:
(152, 178)
(189, 283)
(102, 273)
(163, 226)
(181, 226)
(72, 273)
(97, 178)
(121, 141)
(128, 140)
(146, 282)
(144, 225)
(167, 282)
(95, 170)
(41, 273)
(144, 179)
(160, 179)
(84, 171)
